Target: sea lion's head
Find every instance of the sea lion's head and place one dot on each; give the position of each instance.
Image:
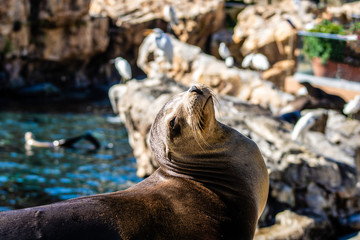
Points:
(184, 125)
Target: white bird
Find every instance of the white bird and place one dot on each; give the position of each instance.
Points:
(256, 61)
(170, 15)
(302, 91)
(157, 42)
(229, 62)
(246, 63)
(123, 67)
(225, 54)
(353, 106)
(303, 125)
(159, 45)
(224, 51)
(164, 45)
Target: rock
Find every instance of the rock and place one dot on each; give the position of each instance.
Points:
(278, 72)
(225, 36)
(71, 42)
(40, 90)
(283, 193)
(354, 237)
(321, 119)
(317, 199)
(14, 32)
(266, 30)
(344, 12)
(341, 130)
(197, 19)
(191, 65)
(290, 225)
(60, 13)
(79, 42)
(49, 40)
(129, 21)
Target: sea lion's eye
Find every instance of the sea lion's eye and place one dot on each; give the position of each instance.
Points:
(172, 122)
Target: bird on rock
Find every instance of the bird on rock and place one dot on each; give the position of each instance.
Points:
(164, 45)
(303, 125)
(256, 61)
(160, 43)
(225, 54)
(116, 91)
(353, 106)
(123, 67)
(170, 17)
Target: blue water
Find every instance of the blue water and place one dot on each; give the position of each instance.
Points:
(36, 176)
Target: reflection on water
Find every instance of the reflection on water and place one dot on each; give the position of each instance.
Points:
(43, 175)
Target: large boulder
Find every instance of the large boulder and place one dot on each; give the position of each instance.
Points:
(290, 225)
(266, 29)
(315, 175)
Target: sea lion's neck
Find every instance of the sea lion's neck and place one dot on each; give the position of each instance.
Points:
(211, 165)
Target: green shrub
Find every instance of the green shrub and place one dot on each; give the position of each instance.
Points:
(325, 48)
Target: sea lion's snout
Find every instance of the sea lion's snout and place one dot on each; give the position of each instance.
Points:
(195, 89)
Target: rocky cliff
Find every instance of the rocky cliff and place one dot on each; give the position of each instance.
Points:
(69, 43)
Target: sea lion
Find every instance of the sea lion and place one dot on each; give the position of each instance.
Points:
(212, 183)
(65, 142)
(325, 100)
(316, 98)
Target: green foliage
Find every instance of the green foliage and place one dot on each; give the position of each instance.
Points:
(325, 48)
(356, 26)
(355, 29)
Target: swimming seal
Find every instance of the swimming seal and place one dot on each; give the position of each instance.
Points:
(65, 142)
(212, 183)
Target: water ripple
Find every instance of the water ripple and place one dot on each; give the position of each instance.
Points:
(40, 176)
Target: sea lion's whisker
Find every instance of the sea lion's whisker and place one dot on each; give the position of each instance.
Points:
(197, 124)
(216, 103)
(199, 127)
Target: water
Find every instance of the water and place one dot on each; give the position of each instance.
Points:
(31, 177)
